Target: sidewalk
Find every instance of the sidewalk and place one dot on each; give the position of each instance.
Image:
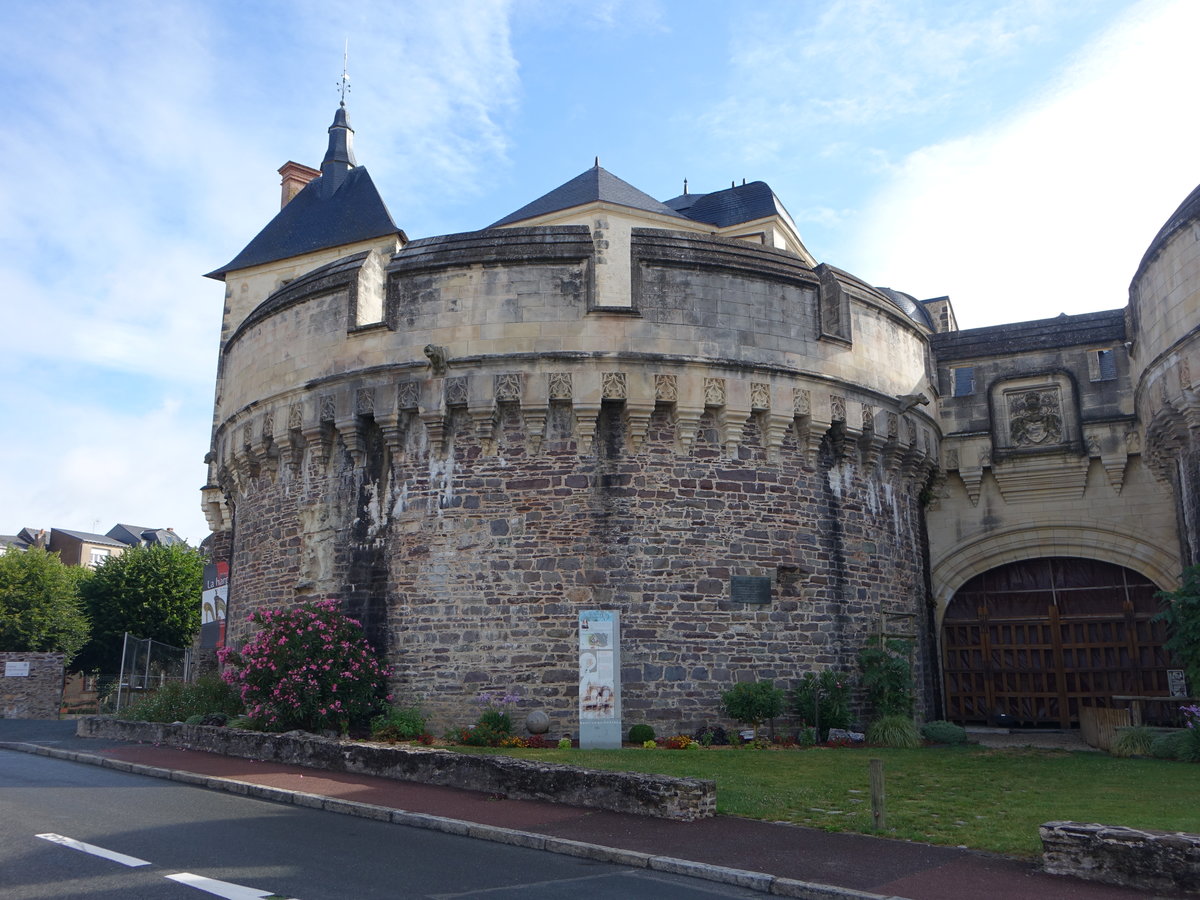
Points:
(778, 858)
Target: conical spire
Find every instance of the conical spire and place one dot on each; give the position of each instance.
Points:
(339, 158)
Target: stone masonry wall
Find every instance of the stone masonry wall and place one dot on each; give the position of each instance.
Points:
(488, 558)
(1148, 860)
(661, 796)
(500, 454)
(37, 695)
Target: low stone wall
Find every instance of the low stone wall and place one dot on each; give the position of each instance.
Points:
(519, 779)
(1150, 860)
(31, 685)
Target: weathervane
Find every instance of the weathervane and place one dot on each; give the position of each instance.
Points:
(344, 81)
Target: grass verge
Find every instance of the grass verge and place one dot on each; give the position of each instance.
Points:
(963, 796)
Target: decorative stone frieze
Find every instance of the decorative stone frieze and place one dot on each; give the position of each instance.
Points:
(560, 385)
(457, 391)
(508, 388)
(615, 386)
(760, 395)
(714, 391)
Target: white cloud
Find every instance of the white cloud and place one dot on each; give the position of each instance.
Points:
(1051, 210)
(141, 142)
(89, 464)
(863, 64)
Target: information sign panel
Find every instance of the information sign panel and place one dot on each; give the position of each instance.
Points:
(599, 679)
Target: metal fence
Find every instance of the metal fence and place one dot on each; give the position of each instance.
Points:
(146, 665)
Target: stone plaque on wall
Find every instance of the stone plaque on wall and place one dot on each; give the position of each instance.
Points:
(750, 589)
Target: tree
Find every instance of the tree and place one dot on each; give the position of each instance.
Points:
(151, 592)
(40, 609)
(1181, 612)
(751, 702)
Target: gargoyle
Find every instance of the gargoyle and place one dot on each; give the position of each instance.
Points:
(908, 401)
(438, 358)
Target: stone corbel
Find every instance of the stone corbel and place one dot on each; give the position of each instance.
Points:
(318, 438)
(774, 429)
(216, 510)
(687, 423)
(351, 436)
(586, 415)
(731, 426)
(483, 422)
(436, 423)
(637, 421)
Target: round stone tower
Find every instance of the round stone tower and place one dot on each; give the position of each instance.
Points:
(600, 402)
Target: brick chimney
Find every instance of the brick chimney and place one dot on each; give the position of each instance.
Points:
(295, 177)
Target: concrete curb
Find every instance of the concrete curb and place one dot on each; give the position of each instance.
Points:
(755, 881)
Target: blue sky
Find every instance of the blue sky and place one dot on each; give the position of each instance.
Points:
(1018, 156)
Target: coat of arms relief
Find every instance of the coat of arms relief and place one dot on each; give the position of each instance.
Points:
(1035, 417)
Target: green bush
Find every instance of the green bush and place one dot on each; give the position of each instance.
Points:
(495, 720)
(887, 676)
(823, 700)
(751, 702)
(308, 667)
(1189, 746)
(481, 736)
(399, 723)
(176, 701)
(1168, 745)
(639, 734)
(894, 731)
(943, 732)
(1134, 741)
(1181, 613)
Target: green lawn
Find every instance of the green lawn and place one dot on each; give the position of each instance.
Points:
(970, 796)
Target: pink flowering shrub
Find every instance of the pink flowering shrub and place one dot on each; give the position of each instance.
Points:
(308, 668)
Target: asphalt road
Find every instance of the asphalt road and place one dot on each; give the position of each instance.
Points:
(185, 841)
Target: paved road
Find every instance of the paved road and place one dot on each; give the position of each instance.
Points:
(266, 849)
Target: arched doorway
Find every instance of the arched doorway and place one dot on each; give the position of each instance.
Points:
(1034, 639)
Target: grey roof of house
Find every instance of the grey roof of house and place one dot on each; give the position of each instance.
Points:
(135, 534)
(596, 184)
(91, 538)
(732, 206)
(13, 540)
(1094, 328)
(355, 212)
(341, 206)
(123, 531)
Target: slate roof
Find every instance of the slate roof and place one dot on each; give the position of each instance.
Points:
(311, 222)
(136, 534)
(732, 206)
(596, 184)
(90, 538)
(1094, 328)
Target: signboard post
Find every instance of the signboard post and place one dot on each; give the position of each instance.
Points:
(599, 679)
(212, 605)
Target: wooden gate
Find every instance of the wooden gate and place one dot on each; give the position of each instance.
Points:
(1034, 640)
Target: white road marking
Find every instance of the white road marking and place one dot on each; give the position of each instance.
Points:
(220, 888)
(113, 855)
